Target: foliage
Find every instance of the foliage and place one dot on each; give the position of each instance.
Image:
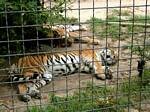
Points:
(95, 25)
(21, 23)
(101, 28)
(142, 50)
(137, 19)
(140, 19)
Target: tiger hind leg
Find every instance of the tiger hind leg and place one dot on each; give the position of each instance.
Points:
(27, 91)
(30, 89)
(22, 90)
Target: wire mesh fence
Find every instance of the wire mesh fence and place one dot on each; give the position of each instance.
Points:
(75, 55)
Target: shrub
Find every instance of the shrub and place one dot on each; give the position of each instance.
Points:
(21, 23)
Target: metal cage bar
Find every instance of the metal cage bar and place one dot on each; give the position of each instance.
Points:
(64, 79)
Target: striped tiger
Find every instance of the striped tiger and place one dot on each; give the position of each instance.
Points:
(35, 71)
(66, 35)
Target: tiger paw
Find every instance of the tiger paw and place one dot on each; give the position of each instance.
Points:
(37, 96)
(26, 98)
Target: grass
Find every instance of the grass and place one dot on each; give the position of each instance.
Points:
(137, 19)
(116, 12)
(140, 19)
(102, 98)
(101, 28)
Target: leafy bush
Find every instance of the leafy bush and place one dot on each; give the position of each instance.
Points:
(142, 50)
(21, 23)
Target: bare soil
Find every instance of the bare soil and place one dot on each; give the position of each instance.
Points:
(99, 8)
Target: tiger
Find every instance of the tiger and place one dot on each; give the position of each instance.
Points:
(66, 35)
(55, 38)
(32, 72)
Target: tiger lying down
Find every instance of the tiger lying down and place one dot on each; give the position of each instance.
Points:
(33, 72)
(69, 34)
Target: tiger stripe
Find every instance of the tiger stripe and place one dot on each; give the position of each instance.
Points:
(39, 70)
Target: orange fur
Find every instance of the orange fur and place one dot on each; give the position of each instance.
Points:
(29, 65)
(34, 63)
(71, 37)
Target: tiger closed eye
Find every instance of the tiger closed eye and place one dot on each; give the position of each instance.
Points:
(108, 56)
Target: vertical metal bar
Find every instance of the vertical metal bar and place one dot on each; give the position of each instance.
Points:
(118, 64)
(80, 53)
(93, 24)
(37, 38)
(143, 55)
(107, 8)
(66, 56)
(131, 54)
(52, 51)
(9, 57)
(23, 45)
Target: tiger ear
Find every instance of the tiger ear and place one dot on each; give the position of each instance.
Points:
(108, 45)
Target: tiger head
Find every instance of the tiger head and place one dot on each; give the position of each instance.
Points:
(108, 57)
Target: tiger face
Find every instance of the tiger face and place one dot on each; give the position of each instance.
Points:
(108, 57)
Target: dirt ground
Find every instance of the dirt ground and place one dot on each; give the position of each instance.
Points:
(100, 6)
(62, 86)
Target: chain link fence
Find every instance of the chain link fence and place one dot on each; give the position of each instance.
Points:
(74, 55)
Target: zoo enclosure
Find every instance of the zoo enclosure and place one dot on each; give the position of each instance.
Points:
(122, 26)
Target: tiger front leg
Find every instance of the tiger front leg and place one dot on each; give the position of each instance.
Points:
(104, 73)
(108, 72)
